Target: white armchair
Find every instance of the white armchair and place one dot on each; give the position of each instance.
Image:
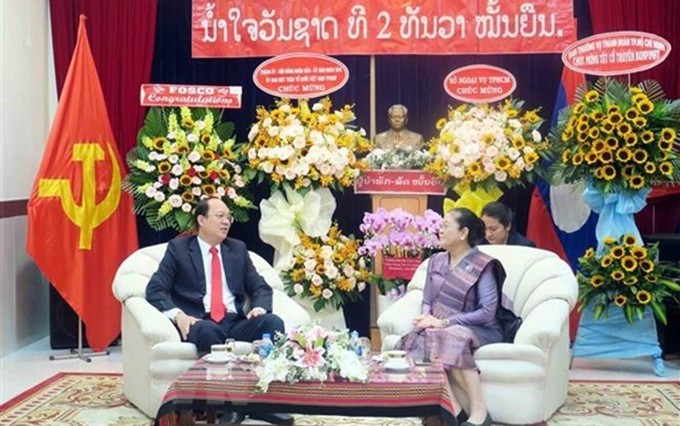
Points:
(153, 353)
(524, 381)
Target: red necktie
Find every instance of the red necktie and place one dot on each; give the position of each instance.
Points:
(216, 303)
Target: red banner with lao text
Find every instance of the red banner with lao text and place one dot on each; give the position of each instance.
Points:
(398, 182)
(235, 28)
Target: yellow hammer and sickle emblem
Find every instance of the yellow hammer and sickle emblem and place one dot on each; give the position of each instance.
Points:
(89, 215)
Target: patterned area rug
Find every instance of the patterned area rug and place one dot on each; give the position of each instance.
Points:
(97, 399)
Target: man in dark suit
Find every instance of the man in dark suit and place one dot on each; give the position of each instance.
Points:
(202, 284)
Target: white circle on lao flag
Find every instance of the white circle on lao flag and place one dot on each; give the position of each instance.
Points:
(568, 209)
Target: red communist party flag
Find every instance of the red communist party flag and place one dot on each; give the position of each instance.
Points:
(81, 224)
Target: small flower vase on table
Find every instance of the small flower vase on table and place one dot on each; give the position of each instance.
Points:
(614, 336)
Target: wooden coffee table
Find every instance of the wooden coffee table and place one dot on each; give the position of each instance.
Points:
(422, 391)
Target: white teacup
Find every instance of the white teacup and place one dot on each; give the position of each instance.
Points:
(396, 355)
(219, 349)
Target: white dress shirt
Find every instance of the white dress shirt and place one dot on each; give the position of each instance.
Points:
(227, 295)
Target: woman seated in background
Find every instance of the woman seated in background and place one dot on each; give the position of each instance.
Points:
(497, 218)
(458, 314)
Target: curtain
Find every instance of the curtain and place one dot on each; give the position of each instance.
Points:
(660, 17)
(122, 40)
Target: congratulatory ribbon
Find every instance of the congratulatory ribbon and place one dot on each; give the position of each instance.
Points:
(474, 200)
(285, 215)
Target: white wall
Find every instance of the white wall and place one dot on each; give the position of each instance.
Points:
(27, 96)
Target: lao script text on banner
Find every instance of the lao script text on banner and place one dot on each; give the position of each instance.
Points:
(233, 28)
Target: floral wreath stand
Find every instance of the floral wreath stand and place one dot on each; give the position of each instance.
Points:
(613, 336)
(284, 214)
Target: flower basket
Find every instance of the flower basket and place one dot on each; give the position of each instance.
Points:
(398, 159)
(404, 239)
(617, 138)
(329, 270)
(305, 147)
(625, 275)
(486, 146)
(311, 353)
(183, 155)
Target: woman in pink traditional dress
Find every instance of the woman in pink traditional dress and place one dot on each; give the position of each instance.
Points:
(458, 314)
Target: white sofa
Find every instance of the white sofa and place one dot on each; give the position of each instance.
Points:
(525, 381)
(153, 353)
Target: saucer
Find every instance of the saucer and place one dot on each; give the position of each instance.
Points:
(217, 358)
(397, 366)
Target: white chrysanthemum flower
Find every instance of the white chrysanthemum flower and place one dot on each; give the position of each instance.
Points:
(298, 289)
(310, 263)
(317, 107)
(196, 190)
(536, 136)
(151, 191)
(175, 201)
(159, 196)
(513, 153)
(317, 280)
(194, 156)
(186, 207)
(173, 184)
(192, 137)
(327, 293)
(290, 174)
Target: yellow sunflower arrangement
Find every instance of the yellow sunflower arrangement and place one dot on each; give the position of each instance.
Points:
(485, 146)
(183, 155)
(329, 269)
(306, 146)
(626, 275)
(618, 138)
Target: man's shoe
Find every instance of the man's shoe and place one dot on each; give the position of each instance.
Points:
(231, 418)
(273, 418)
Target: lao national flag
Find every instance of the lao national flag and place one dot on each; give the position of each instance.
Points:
(81, 224)
(559, 219)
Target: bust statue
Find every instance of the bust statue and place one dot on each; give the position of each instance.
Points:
(398, 136)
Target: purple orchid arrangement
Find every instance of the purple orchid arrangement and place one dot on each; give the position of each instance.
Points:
(399, 233)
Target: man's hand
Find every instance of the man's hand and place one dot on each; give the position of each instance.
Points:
(256, 312)
(184, 323)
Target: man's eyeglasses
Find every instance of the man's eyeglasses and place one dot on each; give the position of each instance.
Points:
(223, 216)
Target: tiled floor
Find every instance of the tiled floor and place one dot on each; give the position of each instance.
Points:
(22, 369)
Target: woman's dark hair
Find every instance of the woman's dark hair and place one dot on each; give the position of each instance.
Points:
(467, 219)
(500, 212)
